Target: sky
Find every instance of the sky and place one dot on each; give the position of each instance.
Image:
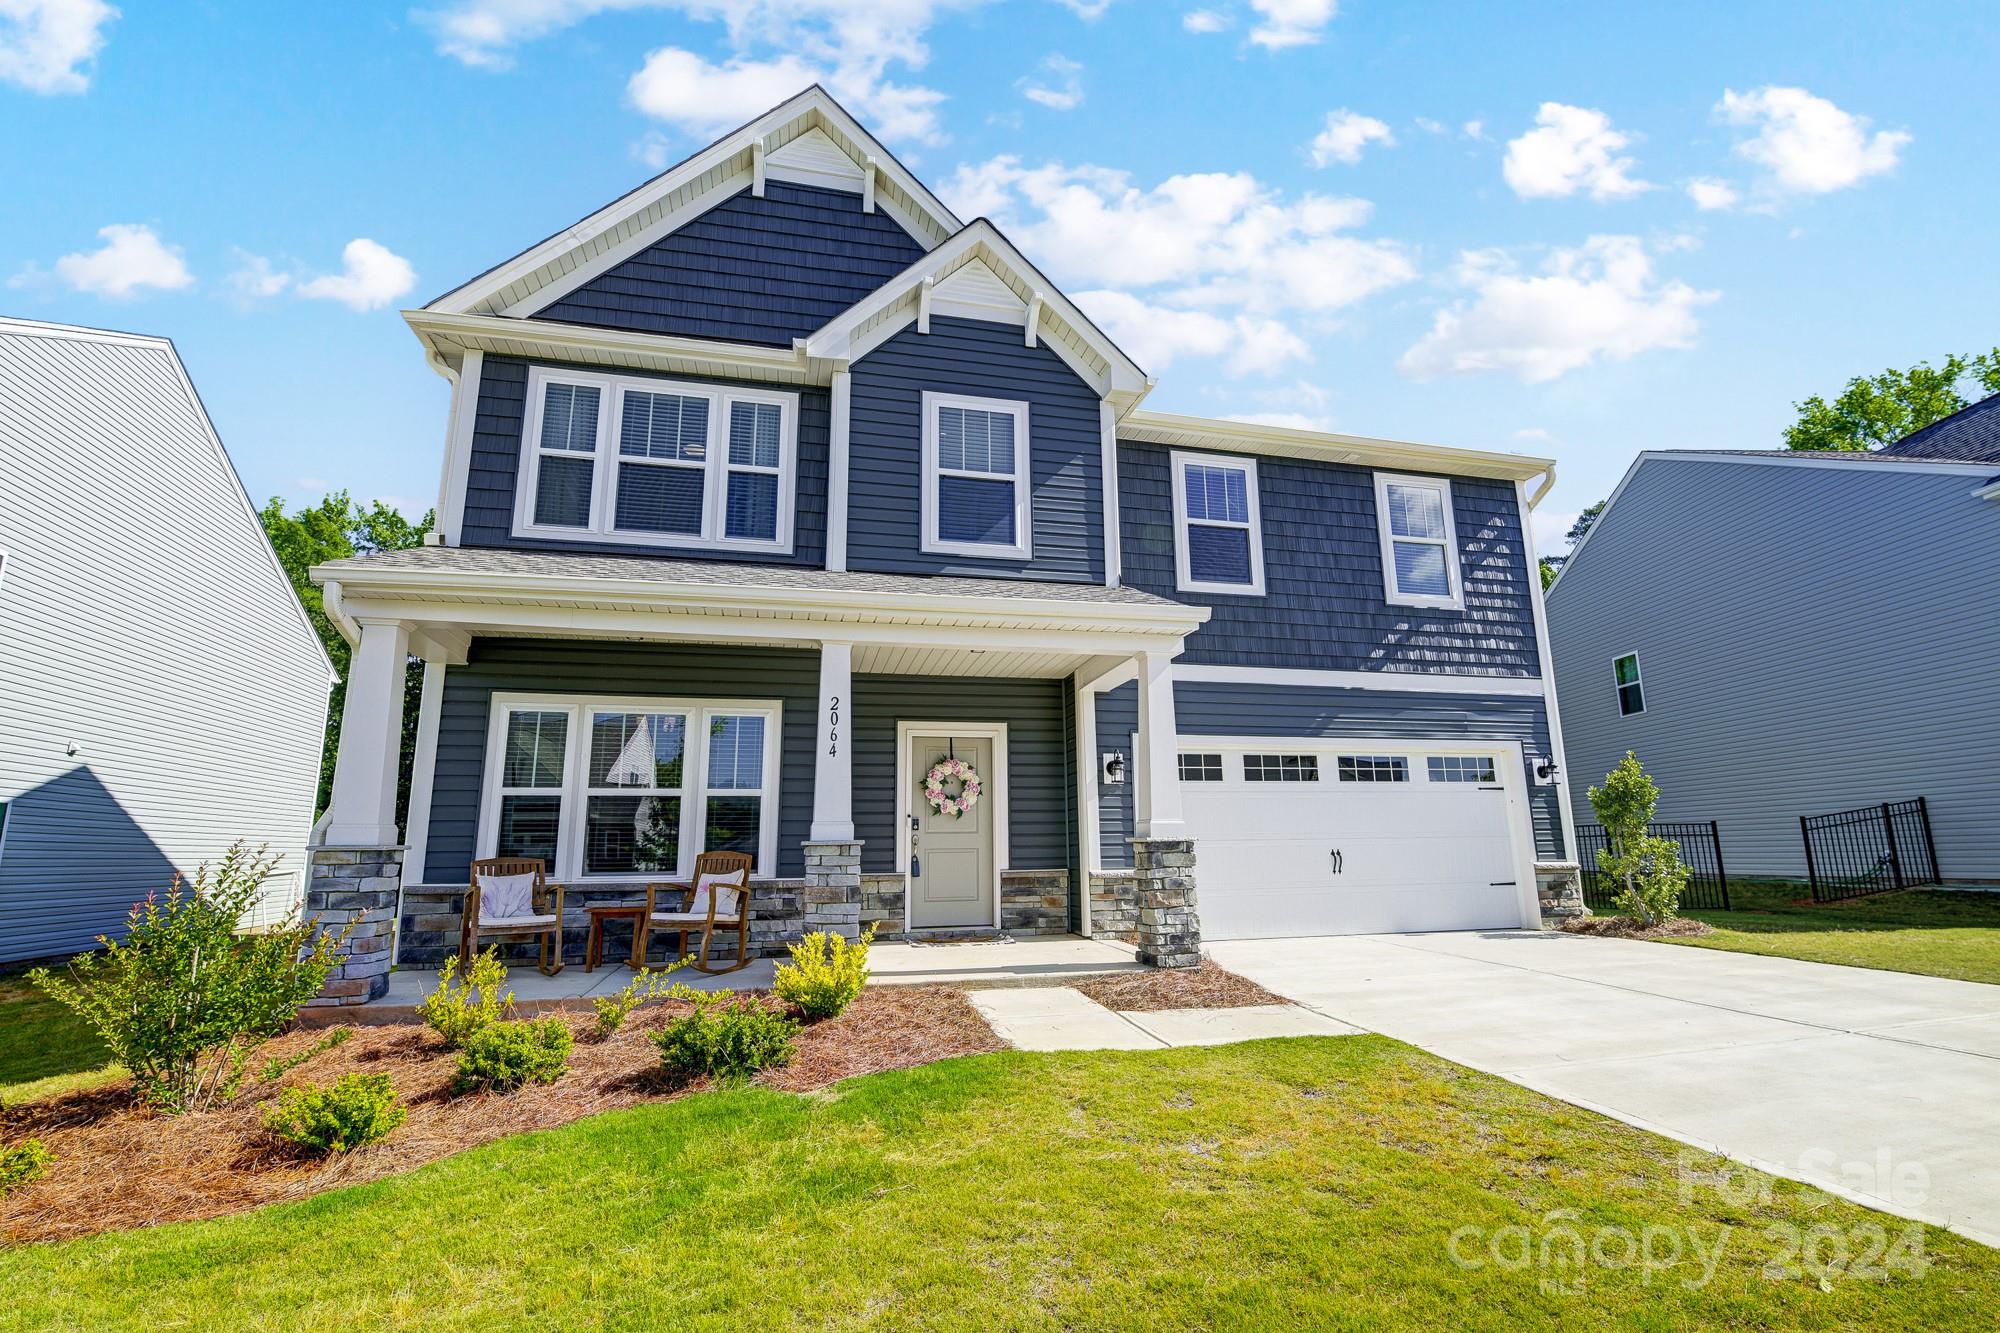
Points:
(1574, 231)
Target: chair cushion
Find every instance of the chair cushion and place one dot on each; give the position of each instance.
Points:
(527, 921)
(504, 897)
(679, 919)
(725, 888)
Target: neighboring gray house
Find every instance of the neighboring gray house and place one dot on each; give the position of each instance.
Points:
(161, 691)
(1784, 634)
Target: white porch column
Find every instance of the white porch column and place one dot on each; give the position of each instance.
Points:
(1157, 799)
(833, 768)
(362, 812)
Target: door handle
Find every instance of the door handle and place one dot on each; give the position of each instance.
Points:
(1337, 860)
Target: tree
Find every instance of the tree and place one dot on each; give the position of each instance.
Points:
(1876, 410)
(335, 529)
(1647, 869)
(1552, 564)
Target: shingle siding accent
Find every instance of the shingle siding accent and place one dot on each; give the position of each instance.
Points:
(1828, 638)
(885, 469)
(592, 667)
(1216, 709)
(749, 270)
(1325, 607)
(496, 465)
(1039, 769)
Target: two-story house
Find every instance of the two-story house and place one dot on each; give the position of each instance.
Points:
(773, 485)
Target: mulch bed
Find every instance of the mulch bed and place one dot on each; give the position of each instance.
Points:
(120, 1166)
(1629, 928)
(1204, 987)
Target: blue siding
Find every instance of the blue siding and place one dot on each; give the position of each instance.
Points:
(1325, 606)
(1215, 709)
(496, 464)
(885, 477)
(1040, 825)
(749, 270)
(790, 676)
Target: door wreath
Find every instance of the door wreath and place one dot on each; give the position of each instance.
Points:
(945, 801)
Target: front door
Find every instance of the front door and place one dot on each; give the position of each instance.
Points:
(951, 856)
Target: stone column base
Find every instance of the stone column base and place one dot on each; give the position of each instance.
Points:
(1169, 926)
(357, 887)
(1559, 890)
(833, 889)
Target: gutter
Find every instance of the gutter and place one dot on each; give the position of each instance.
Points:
(336, 610)
(1542, 491)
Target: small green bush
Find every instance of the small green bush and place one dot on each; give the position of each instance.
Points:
(507, 1055)
(727, 1037)
(825, 974)
(352, 1110)
(457, 1012)
(22, 1162)
(1646, 870)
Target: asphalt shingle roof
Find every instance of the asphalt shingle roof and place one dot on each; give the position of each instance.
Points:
(1968, 436)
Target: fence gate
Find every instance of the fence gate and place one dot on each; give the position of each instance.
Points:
(1876, 849)
(1701, 853)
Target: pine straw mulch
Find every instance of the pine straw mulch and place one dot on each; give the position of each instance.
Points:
(1630, 928)
(1204, 987)
(119, 1166)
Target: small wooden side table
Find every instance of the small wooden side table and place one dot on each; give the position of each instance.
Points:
(593, 949)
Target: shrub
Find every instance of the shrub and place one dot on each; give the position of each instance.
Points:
(456, 1013)
(274, 1070)
(825, 974)
(507, 1055)
(613, 1010)
(1647, 870)
(352, 1110)
(182, 999)
(22, 1162)
(728, 1037)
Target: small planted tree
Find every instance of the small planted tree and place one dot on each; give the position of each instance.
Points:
(1646, 869)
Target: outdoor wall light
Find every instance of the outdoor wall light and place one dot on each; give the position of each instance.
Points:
(1114, 767)
(1546, 768)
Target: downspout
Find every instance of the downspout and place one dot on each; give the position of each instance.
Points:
(1548, 484)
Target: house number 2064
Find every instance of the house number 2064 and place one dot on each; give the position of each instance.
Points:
(833, 727)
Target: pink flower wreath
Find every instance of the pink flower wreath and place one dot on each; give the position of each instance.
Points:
(943, 801)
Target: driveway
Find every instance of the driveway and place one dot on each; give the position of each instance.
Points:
(1879, 1086)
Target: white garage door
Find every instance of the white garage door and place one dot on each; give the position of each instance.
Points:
(1354, 839)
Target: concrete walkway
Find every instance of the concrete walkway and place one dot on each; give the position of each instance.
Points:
(1061, 1018)
(1879, 1086)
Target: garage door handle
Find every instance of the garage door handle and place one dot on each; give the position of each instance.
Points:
(1335, 854)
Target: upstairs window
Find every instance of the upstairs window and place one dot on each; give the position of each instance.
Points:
(1419, 546)
(1631, 695)
(975, 488)
(657, 462)
(1218, 542)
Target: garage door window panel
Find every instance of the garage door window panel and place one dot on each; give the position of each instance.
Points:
(1281, 768)
(1461, 768)
(1373, 768)
(1201, 768)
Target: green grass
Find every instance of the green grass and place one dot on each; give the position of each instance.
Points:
(1307, 1183)
(1934, 933)
(44, 1048)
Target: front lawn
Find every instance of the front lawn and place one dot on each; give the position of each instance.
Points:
(1309, 1182)
(1927, 931)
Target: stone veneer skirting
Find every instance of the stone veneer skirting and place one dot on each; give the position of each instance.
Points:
(1114, 905)
(1559, 890)
(354, 889)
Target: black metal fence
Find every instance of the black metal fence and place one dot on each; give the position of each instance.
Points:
(1701, 852)
(1876, 849)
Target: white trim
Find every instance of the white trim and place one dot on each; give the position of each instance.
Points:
(607, 462)
(998, 789)
(757, 168)
(3, 565)
(833, 760)
(616, 350)
(1023, 546)
(423, 772)
(1156, 797)
(1989, 492)
(1107, 466)
(1618, 686)
(1392, 592)
(868, 170)
(1087, 795)
(839, 432)
(1412, 682)
(1545, 655)
(575, 792)
(1184, 579)
(458, 446)
(1188, 432)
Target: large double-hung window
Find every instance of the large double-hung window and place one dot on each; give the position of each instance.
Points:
(630, 788)
(1218, 538)
(657, 462)
(976, 488)
(1419, 541)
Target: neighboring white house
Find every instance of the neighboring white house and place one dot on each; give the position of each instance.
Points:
(162, 693)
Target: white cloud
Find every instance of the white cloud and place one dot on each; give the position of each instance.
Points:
(1806, 143)
(1056, 84)
(133, 259)
(1155, 335)
(1601, 299)
(255, 279)
(1088, 10)
(1204, 21)
(47, 46)
(1532, 433)
(653, 149)
(1573, 149)
(1288, 23)
(1711, 195)
(371, 277)
(1429, 126)
(1346, 134)
(689, 93)
(1474, 129)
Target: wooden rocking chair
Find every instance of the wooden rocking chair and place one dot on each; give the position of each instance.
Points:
(542, 921)
(727, 907)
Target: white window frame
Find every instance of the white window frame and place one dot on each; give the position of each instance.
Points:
(1618, 686)
(606, 462)
(1395, 595)
(575, 793)
(1024, 545)
(1184, 579)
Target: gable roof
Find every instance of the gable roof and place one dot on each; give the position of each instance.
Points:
(1971, 434)
(803, 138)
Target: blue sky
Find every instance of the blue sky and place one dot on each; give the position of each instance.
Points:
(1565, 229)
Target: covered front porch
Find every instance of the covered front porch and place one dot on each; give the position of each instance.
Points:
(792, 714)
